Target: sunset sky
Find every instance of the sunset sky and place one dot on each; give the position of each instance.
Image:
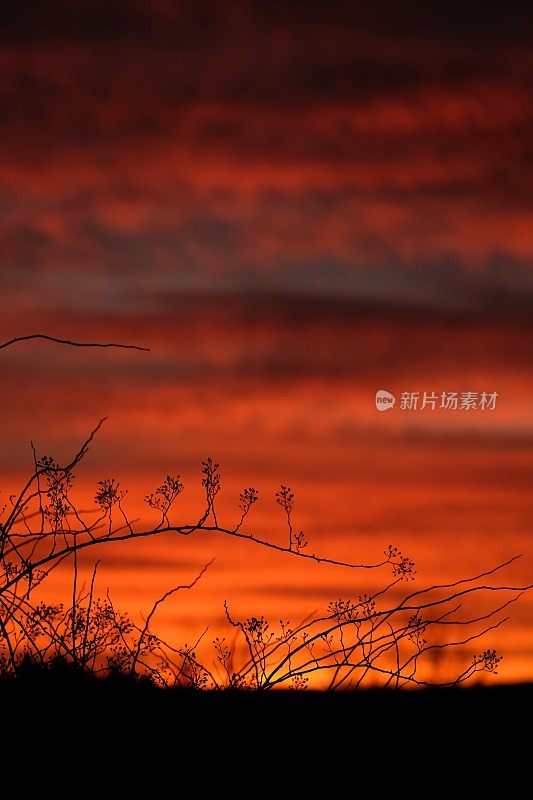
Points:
(293, 205)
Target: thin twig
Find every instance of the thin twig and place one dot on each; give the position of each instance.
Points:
(71, 343)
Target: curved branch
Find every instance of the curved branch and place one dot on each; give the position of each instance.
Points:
(70, 342)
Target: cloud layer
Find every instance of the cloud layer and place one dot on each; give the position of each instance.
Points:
(199, 147)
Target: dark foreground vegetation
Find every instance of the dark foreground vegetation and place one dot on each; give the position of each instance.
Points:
(61, 688)
(81, 664)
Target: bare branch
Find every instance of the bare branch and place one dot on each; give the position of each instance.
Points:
(71, 343)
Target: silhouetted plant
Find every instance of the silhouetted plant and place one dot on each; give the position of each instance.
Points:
(164, 496)
(356, 639)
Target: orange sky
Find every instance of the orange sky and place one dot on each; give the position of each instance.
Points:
(293, 209)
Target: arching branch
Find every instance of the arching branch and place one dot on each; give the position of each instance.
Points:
(70, 342)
